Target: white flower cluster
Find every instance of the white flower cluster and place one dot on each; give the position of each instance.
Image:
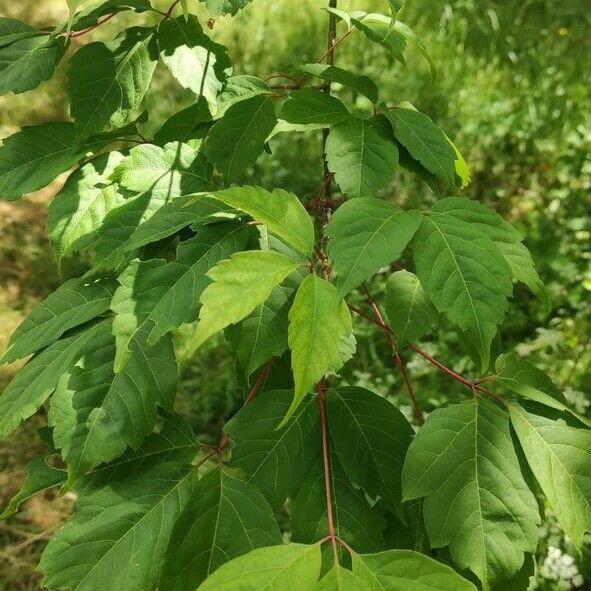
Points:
(561, 568)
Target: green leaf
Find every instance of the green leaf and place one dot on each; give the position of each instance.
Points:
(410, 534)
(108, 81)
(171, 218)
(290, 567)
(305, 107)
(319, 321)
(275, 460)
(263, 334)
(425, 142)
(26, 59)
(408, 308)
(477, 501)
(404, 570)
(361, 156)
(523, 378)
(355, 521)
(161, 296)
(281, 211)
(225, 518)
(371, 437)
(34, 156)
(191, 123)
(37, 380)
(91, 17)
(96, 414)
(236, 141)
(341, 579)
(73, 303)
(380, 29)
(231, 7)
(239, 88)
(365, 235)
(558, 455)
(197, 62)
(239, 285)
(412, 39)
(361, 84)
(174, 170)
(77, 211)
(503, 234)
(12, 29)
(465, 276)
(124, 517)
(40, 477)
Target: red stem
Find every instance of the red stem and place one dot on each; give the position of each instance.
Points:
(392, 344)
(320, 390)
(88, 29)
(260, 380)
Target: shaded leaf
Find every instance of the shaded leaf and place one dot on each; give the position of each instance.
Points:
(275, 460)
(408, 308)
(305, 107)
(371, 438)
(225, 518)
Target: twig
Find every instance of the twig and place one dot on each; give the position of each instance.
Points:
(260, 380)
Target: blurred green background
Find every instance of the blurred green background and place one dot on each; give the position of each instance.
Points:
(513, 91)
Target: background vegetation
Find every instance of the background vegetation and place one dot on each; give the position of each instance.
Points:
(512, 91)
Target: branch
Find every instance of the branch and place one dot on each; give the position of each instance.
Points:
(471, 384)
(321, 390)
(260, 381)
(73, 35)
(396, 356)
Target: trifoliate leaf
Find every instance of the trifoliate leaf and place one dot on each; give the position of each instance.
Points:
(408, 308)
(339, 578)
(225, 518)
(365, 235)
(361, 155)
(239, 285)
(477, 501)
